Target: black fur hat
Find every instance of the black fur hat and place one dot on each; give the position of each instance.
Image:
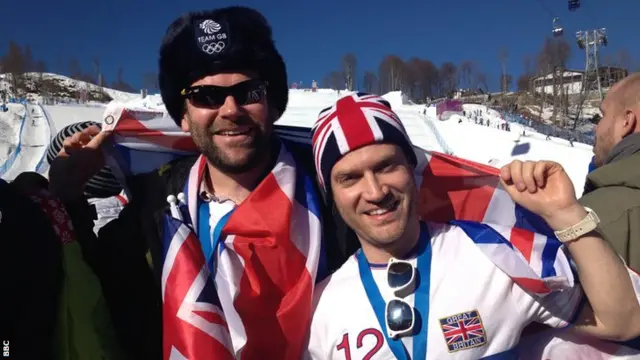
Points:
(204, 43)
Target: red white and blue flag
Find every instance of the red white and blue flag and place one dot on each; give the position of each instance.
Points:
(194, 326)
(143, 140)
(250, 277)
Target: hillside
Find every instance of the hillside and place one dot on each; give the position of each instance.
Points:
(54, 88)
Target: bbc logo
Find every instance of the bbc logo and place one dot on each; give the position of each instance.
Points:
(5, 348)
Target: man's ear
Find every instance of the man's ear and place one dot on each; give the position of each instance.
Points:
(630, 122)
(184, 123)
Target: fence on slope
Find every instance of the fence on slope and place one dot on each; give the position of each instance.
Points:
(43, 165)
(550, 130)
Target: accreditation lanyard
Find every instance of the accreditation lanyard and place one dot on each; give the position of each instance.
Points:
(209, 241)
(421, 303)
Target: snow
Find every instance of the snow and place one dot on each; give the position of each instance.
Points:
(487, 145)
(28, 149)
(10, 126)
(67, 114)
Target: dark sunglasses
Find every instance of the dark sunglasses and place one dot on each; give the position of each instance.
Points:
(212, 96)
(400, 316)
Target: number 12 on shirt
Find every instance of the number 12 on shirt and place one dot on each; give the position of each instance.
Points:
(366, 333)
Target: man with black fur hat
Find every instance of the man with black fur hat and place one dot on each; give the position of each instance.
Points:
(223, 81)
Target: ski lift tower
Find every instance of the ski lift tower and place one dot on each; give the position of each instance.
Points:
(589, 41)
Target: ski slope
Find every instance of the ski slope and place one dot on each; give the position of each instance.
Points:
(29, 150)
(487, 145)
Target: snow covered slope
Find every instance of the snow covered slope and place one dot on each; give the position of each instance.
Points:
(62, 87)
(11, 120)
(33, 138)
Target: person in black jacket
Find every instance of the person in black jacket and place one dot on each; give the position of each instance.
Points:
(31, 272)
(222, 80)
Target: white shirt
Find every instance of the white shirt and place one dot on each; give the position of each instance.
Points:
(463, 282)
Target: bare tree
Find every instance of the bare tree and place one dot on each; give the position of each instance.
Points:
(430, 78)
(336, 80)
(528, 70)
(150, 81)
(505, 82)
(412, 78)
(97, 71)
(465, 72)
(29, 62)
(75, 70)
(448, 78)
(326, 82)
(503, 55)
(13, 63)
(40, 68)
(421, 79)
(349, 63)
(370, 82)
(481, 80)
(522, 83)
(121, 84)
(552, 60)
(390, 73)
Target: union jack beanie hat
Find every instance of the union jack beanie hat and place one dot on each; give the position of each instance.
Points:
(355, 121)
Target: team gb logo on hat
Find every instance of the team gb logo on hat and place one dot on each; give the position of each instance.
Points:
(210, 26)
(211, 36)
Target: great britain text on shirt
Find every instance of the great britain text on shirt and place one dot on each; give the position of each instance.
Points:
(463, 331)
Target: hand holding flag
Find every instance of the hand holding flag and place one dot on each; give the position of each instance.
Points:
(80, 159)
(544, 188)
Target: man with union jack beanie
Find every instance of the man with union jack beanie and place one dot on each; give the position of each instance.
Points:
(456, 290)
(214, 256)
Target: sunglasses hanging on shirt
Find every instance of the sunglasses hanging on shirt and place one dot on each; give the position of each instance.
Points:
(399, 315)
(212, 96)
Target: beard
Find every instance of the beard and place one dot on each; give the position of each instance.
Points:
(237, 157)
(602, 147)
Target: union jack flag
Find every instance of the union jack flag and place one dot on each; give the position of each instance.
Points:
(143, 140)
(463, 331)
(193, 321)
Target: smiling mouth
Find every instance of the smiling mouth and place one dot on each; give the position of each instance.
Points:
(237, 132)
(390, 207)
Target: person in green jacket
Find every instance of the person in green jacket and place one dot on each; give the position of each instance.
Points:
(612, 189)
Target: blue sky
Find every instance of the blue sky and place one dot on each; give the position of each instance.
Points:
(313, 35)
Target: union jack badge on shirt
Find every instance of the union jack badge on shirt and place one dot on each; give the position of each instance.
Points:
(463, 331)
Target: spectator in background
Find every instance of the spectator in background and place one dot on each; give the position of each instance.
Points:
(30, 182)
(612, 189)
(31, 272)
(102, 185)
(103, 191)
